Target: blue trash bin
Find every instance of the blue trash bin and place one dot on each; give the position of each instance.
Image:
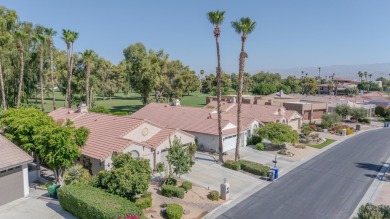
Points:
(276, 170)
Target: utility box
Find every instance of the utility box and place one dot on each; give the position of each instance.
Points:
(225, 190)
(276, 173)
(343, 132)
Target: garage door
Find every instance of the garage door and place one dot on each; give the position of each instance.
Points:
(229, 143)
(11, 187)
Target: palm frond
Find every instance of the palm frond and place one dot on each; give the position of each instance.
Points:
(216, 17)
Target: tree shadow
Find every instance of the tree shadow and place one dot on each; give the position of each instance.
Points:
(372, 167)
(57, 208)
(128, 109)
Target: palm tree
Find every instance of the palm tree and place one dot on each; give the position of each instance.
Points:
(88, 57)
(50, 32)
(365, 75)
(3, 101)
(370, 75)
(360, 75)
(216, 18)
(69, 38)
(41, 48)
(244, 26)
(20, 36)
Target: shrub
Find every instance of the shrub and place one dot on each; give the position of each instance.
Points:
(100, 109)
(232, 165)
(283, 152)
(254, 140)
(213, 196)
(329, 120)
(160, 167)
(380, 111)
(260, 146)
(365, 120)
(358, 113)
(254, 168)
(305, 129)
(88, 202)
(186, 186)
(174, 211)
(349, 131)
(172, 191)
(76, 174)
(319, 129)
(120, 113)
(144, 202)
(369, 211)
(171, 181)
(301, 146)
(313, 127)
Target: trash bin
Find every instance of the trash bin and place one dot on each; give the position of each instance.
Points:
(52, 190)
(357, 127)
(387, 124)
(271, 174)
(276, 172)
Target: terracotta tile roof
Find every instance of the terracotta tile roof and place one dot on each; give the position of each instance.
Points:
(191, 119)
(11, 155)
(107, 131)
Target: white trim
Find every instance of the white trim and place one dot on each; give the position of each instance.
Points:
(26, 187)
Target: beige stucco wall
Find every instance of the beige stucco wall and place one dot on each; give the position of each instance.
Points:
(138, 133)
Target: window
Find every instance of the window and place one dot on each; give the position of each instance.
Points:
(134, 154)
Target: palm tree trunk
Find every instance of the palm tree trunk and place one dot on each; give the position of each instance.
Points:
(219, 75)
(20, 86)
(3, 101)
(67, 76)
(52, 73)
(239, 96)
(87, 84)
(70, 79)
(41, 77)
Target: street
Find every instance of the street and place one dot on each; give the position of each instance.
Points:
(328, 186)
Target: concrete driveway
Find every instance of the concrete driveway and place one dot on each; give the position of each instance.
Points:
(248, 153)
(210, 175)
(34, 207)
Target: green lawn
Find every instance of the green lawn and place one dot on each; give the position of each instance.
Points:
(324, 144)
(123, 103)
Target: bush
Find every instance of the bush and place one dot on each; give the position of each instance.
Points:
(76, 174)
(254, 168)
(174, 211)
(380, 111)
(213, 196)
(305, 129)
(260, 146)
(88, 202)
(283, 152)
(349, 131)
(365, 120)
(171, 181)
(254, 140)
(172, 191)
(329, 120)
(144, 202)
(232, 165)
(160, 167)
(301, 146)
(186, 186)
(358, 113)
(370, 211)
(100, 109)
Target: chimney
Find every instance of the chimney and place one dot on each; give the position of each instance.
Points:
(281, 93)
(82, 108)
(176, 102)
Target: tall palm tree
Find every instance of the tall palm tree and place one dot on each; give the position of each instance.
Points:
(360, 75)
(365, 75)
(216, 18)
(244, 26)
(41, 48)
(50, 32)
(88, 57)
(20, 36)
(69, 38)
(370, 75)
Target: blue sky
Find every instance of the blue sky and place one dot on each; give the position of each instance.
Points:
(289, 34)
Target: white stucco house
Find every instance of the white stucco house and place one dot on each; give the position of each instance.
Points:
(201, 123)
(117, 134)
(14, 182)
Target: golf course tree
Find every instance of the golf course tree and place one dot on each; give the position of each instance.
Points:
(278, 133)
(35, 131)
(88, 57)
(216, 18)
(244, 26)
(50, 32)
(42, 41)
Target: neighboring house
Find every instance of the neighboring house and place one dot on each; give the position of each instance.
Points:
(13, 171)
(200, 122)
(115, 134)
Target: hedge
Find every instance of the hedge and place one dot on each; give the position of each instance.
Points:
(169, 191)
(174, 211)
(254, 168)
(260, 146)
(232, 165)
(89, 202)
(247, 166)
(186, 186)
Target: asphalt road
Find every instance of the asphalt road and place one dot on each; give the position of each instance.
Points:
(328, 186)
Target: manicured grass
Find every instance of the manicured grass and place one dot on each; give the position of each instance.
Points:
(324, 144)
(121, 102)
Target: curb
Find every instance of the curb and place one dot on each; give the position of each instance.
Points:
(229, 204)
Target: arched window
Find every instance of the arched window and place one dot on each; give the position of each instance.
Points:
(134, 154)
